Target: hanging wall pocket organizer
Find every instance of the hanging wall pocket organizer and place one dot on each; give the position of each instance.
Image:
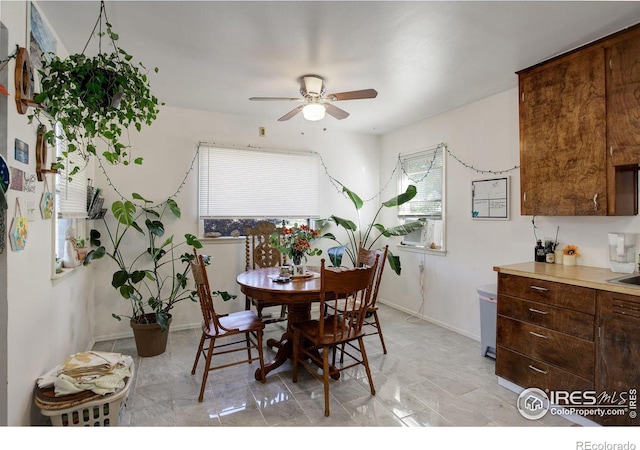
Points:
(18, 230)
(46, 202)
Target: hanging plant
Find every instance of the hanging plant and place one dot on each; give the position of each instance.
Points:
(98, 97)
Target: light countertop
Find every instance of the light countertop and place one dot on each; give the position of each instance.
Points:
(592, 277)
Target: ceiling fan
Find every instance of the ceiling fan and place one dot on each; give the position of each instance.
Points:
(316, 104)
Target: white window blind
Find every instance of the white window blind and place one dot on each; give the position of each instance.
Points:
(425, 170)
(71, 195)
(236, 183)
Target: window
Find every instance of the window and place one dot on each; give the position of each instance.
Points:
(239, 186)
(425, 170)
(71, 196)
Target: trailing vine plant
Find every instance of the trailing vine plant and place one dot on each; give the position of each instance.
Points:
(99, 97)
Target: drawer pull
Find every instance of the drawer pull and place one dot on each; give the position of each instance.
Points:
(544, 372)
(544, 313)
(538, 288)
(538, 335)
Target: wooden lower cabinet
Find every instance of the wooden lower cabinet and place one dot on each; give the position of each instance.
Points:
(618, 352)
(561, 337)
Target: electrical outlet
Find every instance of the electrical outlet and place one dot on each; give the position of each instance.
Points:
(262, 131)
(421, 266)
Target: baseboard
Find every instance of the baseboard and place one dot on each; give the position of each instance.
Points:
(110, 337)
(430, 319)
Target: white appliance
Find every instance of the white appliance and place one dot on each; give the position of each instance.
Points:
(622, 252)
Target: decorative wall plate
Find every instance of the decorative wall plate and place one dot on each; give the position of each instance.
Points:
(5, 175)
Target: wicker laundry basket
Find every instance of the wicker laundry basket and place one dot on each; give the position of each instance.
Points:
(85, 409)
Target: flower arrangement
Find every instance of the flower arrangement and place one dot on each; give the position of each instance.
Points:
(571, 250)
(296, 242)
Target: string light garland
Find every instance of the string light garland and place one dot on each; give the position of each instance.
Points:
(336, 184)
(468, 166)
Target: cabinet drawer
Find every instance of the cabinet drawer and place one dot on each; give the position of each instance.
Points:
(577, 298)
(619, 306)
(527, 372)
(560, 319)
(561, 350)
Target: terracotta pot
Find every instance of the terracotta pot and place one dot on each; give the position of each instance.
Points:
(150, 339)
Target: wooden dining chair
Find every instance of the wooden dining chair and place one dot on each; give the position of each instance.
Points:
(260, 254)
(348, 290)
(223, 331)
(372, 320)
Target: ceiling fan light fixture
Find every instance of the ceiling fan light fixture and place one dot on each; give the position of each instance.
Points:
(314, 111)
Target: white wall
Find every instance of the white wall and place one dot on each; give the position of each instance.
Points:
(483, 135)
(46, 321)
(168, 147)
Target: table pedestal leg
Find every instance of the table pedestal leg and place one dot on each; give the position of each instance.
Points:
(295, 314)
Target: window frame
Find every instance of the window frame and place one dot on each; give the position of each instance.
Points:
(77, 217)
(432, 237)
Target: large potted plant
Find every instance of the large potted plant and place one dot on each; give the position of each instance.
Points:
(93, 98)
(152, 273)
(357, 236)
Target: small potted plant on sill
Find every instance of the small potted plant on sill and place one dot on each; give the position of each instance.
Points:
(98, 97)
(155, 276)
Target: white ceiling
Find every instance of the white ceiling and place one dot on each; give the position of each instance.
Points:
(422, 57)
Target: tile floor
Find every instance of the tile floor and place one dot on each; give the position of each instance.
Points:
(430, 377)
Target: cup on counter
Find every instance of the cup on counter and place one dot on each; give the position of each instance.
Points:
(558, 255)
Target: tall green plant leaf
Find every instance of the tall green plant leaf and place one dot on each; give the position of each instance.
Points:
(123, 211)
(357, 201)
(402, 198)
(173, 206)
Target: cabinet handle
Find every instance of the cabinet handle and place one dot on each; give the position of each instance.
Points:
(544, 313)
(595, 202)
(538, 335)
(544, 372)
(538, 288)
(522, 96)
(611, 150)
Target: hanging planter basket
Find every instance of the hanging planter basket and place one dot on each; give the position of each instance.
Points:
(99, 97)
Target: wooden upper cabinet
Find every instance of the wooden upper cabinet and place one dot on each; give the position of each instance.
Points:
(623, 100)
(580, 130)
(562, 137)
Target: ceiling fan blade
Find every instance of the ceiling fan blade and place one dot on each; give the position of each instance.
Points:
(336, 112)
(271, 99)
(291, 113)
(353, 95)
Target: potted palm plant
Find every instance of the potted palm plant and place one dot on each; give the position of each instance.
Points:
(357, 237)
(152, 276)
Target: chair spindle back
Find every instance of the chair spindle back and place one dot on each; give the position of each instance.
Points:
(349, 291)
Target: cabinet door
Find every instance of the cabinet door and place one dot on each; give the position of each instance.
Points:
(618, 352)
(623, 101)
(563, 136)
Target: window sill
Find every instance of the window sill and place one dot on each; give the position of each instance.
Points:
(221, 240)
(57, 277)
(420, 249)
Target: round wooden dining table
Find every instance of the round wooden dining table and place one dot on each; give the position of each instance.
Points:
(297, 294)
